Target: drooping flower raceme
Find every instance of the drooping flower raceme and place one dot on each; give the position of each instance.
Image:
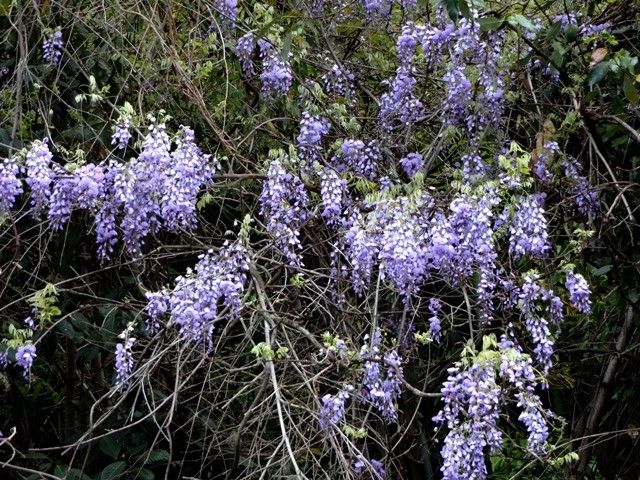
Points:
(435, 326)
(412, 163)
(121, 134)
(338, 81)
(124, 357)
(188, 171)
(528, 231)
(52, 47)
(229, 11)
(203, 296)
(579, 292)
(358, 157)
(312, 129)
(25, 354)
(10, 184)
(244, 50)
(283, 203)
(333, 406)
(400, 105)
(40, 174)
(471, 410)
(276, 75)
(333, 190)
(382, 390)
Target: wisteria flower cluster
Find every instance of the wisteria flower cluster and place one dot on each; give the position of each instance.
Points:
(284, 204)
(474, 397)
(312, 130)
(204, 296)
(52, 47)
(159, 188)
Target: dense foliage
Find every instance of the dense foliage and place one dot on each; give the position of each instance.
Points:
(319, 239)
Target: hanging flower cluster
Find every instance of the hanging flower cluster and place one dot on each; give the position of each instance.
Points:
(157, 189)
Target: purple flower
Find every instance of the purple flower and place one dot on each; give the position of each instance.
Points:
(229, 11)
(312, 129)
(206, 295)
(358, 157)
(535, 422)
(528, 230)
(157, 306)
(52, 47)
(338, 81)
(276, 75)
(333, 190)
(412, 163)
(121, 134)
(435, 328)
(400, 104)
(579, 292)
(10, 185)
(25, 354)
(541, 168)
(382, 390)
(244, 50)
(283, 203)
(333, 406)
(471, 410)
(124, 361)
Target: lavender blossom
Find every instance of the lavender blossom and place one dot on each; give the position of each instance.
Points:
(579, 292)
(528, 231)
(435, 327)
(412, 163)
(25, 354)
(283, 203)
(10, 185)
(229, 11)
(52, 47)
(208, 294)
(333, 406)
(333, 190)
(121, 134)
(312, 129)
(124, 360)
(338, 81)
(276, 75)
(244, 50)
(40, 174)
(358, 157)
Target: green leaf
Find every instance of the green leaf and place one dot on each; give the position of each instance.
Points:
(452, 8)
(489, 24)
(464, 8)
(599, 272)
(519, 19)
(112, 471)
(629, 89)
(557, 56)
(110, 447)
(598, 73)
(67, 329)
(157, 456)
(146, 474)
